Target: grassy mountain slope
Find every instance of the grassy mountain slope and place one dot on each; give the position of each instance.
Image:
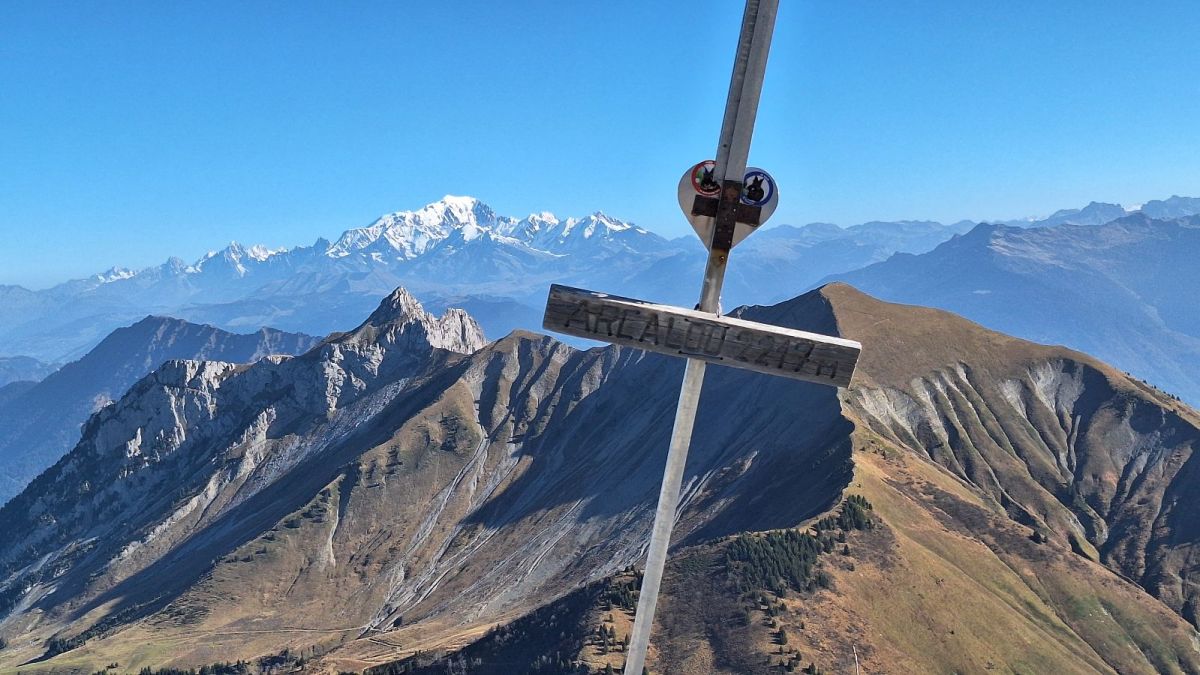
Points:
(1029, 514)
(975, 565)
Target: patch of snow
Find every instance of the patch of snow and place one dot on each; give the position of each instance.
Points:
(115, 274)
(261, 253)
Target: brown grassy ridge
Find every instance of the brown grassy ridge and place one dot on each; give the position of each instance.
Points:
(951, 580)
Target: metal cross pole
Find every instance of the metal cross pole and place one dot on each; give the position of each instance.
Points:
(725, 201)
(733, 150)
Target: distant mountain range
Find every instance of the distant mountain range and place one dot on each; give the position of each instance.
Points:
(459, 252)
(22, 368)
(1099, 213)
(1124, 291)
(405, 488)
(455, 252)
(40, 422)
(1118, 289)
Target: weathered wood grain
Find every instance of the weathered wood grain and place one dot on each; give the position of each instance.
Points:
(717, 339)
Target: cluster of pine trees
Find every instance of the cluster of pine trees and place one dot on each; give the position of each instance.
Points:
(604, 638)
(789, 560)
(57, 645)
(236, 668)
(776, 561)
(623, 592)
(855, 515)
(779, 561)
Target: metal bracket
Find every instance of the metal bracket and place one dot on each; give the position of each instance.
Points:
(745, 213)
(727, 211)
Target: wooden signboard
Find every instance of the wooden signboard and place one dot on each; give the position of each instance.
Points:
(716, 339)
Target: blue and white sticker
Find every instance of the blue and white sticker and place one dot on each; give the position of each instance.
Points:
(758, 188)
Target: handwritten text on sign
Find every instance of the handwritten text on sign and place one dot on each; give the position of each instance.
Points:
(682, 332)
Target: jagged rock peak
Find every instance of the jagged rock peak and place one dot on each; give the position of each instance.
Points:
(400, 305)
(192, 374)
(454, 331)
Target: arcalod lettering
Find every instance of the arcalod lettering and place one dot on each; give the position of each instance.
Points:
(716, 339)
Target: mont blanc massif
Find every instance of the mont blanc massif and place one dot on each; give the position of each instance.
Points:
(365, 455)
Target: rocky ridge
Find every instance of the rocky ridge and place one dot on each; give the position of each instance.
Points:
(372, 501)
(42, 421)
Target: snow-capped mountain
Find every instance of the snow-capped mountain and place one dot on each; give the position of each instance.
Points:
(458, 252)
(405, 235)
(454, 222)
(454, 251)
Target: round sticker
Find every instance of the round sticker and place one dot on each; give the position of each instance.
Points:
(703, 181)
(757, 187)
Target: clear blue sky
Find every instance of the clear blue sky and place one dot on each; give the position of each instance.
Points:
(130, 131)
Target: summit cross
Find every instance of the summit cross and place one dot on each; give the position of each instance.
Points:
(725, 201)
